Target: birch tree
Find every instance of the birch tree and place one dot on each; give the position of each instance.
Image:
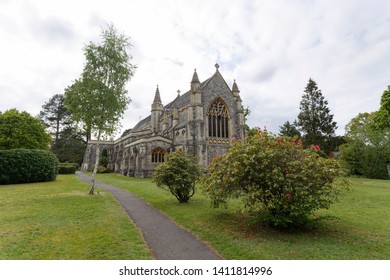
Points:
(99, 97)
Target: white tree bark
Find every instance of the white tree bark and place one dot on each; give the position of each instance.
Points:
(97, 159)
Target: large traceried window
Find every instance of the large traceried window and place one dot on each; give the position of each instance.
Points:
(158, 155)
(218, 120)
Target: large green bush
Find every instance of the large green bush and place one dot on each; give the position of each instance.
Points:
(20, 130)
(27, 166)
(367, 150)
(274, 176)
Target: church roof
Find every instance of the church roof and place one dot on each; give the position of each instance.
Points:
(181, 100)
(141, 124)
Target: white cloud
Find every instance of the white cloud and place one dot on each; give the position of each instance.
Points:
(271, 48)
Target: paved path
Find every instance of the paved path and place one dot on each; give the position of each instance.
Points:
(166, 239)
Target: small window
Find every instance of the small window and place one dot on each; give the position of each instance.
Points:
(158, 155)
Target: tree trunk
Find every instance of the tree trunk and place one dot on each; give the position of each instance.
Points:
(57, 130)
(92, 188)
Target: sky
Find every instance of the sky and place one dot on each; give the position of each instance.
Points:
(271, 48)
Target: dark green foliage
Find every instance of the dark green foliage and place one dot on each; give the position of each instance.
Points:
(21, 130)
(55, 116)
(383, 114)
(68, 168)
(367, 150)
(314, 120)
(104, 158)
(178, 175)
(69, 148)
(27, 166)
(289, 129)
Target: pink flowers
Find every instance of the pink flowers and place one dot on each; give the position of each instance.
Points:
(288, 195)
(234, 139)
(316, 147)
(280, 140)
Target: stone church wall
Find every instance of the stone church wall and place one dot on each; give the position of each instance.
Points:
(183, 124)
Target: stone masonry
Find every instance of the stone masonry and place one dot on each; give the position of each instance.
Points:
(202, 121)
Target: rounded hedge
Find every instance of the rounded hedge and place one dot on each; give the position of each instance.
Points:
(68, 168)
(19, 166)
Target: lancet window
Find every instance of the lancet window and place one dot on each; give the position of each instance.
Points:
(218, 119)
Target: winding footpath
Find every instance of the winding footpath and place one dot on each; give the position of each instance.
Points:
(166, 240)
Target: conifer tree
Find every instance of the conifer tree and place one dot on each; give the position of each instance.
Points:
(55, 116)
(289, 129)
(314, 120)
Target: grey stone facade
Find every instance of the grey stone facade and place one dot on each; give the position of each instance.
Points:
(202, 121)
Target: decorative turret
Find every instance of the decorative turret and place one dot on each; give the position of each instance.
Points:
(236, 94)
(157, 99)
(239, 110)
(195, 83)
(235, 89)
(195, 97)
(156, 112)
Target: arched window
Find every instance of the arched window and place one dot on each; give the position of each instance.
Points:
(158, 155)
(218, 119)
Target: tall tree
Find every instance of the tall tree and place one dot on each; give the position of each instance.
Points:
(314, 120)
(55, 116)
(70, 147)
(21, 130)
(99, 97)
(382, 117)
(367, 149)
(289, 129)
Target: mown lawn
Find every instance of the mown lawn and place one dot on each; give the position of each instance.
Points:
(357, 227)
(58, 220)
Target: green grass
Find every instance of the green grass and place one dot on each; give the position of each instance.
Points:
(58, 220)
(357, 227)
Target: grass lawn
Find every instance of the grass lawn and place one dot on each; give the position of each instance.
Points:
(357, 227)
(58, 220)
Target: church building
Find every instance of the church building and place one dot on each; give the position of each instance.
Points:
(202, 121)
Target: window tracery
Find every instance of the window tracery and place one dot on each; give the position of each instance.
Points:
(218, 120)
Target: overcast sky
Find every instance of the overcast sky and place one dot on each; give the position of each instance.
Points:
(271, 48)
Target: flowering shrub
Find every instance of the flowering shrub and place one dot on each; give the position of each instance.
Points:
(275, 176)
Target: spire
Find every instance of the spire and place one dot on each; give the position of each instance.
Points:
(157, 98)
(235, 87)
(216, 67)
(195, 78)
